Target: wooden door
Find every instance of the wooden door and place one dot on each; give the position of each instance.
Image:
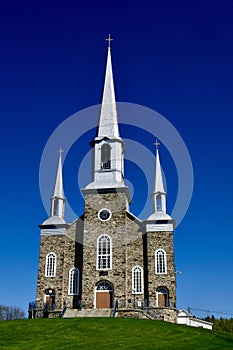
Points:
(49, 302)
(103, 300)
(161, 300)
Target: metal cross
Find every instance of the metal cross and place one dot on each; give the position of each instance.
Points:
(61, 150)
(157, 143)
(109, 39)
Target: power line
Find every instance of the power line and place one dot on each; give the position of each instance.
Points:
(229, 313)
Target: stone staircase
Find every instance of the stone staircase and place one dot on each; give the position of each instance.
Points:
(87, 313)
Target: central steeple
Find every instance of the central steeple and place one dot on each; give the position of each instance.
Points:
(108, 126)
(108, 172)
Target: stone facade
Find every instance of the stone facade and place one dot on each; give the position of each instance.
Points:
(131, 247)
(125, 254)
(153, 242)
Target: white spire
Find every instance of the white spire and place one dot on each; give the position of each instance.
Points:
(159, 192)
(108, 162)
(159, 187)
(58, 188)
(58, 199)
(108, 126)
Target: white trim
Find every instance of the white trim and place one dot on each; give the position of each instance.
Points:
(69, 281)
(53, 232)
(97, 253)
(54, 267)
(109, 211)
(160, 227)
(165, 262)
(133, 286)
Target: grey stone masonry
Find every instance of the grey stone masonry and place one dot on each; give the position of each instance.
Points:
(55, 244)
(126, 247)
(154, 241)
(68, 251)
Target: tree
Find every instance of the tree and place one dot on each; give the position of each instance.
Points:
(11, 313)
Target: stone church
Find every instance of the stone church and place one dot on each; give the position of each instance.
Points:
(107, 262)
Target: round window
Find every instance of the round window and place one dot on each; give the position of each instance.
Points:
(104, 214)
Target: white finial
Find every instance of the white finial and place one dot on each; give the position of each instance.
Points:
(109, 39)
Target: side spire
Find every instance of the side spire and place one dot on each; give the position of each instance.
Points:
(58, 199)
(159, 192)
(108, 125)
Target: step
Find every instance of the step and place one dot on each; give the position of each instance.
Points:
(87, 313)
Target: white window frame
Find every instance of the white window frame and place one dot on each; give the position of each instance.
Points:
(73, 289)
(135, 289)
(50, 267)
(158, 269)
(98, 266)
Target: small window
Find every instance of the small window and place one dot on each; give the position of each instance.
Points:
(137, 280)
(50, 265)
(105, 156)
(55, 207)
(104, 253)
(73, 282)
(104, 214)
(103, 285)
(159, 203)
(160, 262)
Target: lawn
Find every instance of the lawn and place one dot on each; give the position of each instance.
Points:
(107, 333)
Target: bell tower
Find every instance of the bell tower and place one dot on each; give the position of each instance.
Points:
(108, 145)
(106, 204)
(160, 278)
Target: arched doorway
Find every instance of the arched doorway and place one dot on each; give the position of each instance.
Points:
(162, 297)
(49, 299)
(104, 295)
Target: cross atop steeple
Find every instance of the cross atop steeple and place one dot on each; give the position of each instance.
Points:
(60, 151)
(109, 39)
(157, 143)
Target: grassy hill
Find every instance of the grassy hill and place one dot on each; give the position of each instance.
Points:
(107, 333)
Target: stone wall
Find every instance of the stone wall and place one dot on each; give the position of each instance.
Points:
(154, 241)
(130, 247)
(73, 259)
(55, 244)
(126, 247)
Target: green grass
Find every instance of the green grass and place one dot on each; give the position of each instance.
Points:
(107, 333)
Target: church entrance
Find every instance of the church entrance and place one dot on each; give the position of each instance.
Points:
(104, 295)
(162, 297)
(49, 299)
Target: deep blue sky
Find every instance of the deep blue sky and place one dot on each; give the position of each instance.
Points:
(173, 57)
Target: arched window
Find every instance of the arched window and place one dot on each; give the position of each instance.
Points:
(162, 297)
(159, 203)
(105, 156)
(55, 207)
(73, 282)
(104, 253)
(104, 285)
(50, 265)
(137, 280)
(160, 262)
